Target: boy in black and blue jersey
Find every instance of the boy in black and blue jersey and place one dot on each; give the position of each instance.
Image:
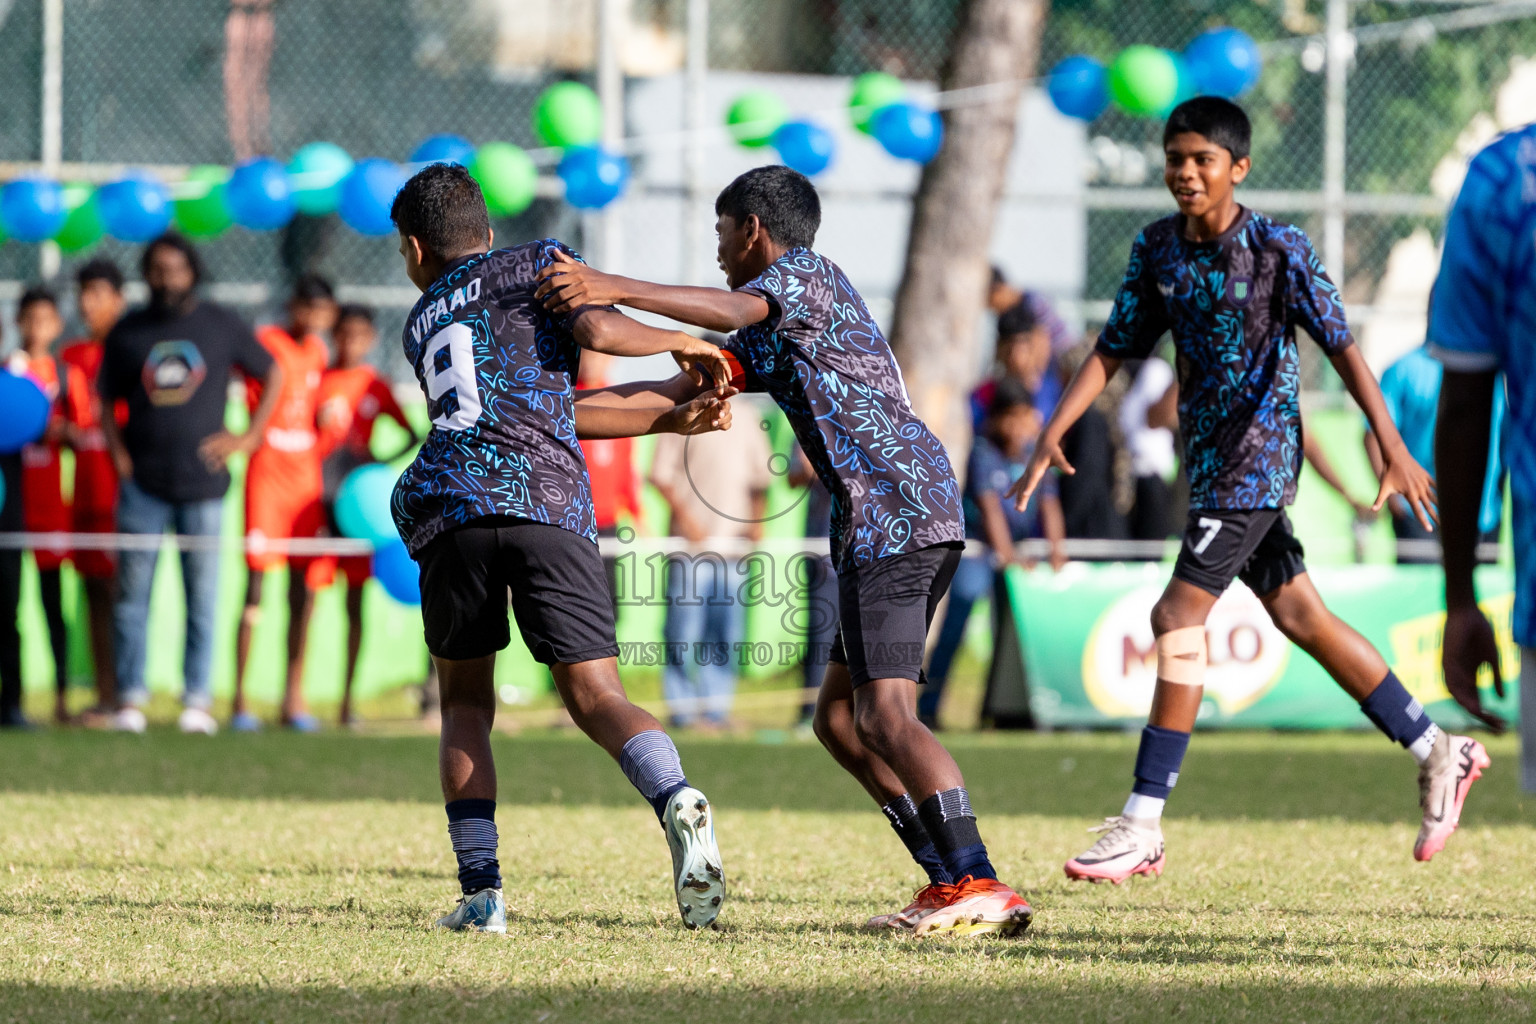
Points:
(498, 497)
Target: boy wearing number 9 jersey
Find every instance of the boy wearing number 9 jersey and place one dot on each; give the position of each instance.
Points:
(1232, 286)
(498, 498)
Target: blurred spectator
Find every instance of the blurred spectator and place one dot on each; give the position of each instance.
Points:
(99, 298)
(171, 363)
(1003, 297)
(820, 583)
(1148, 415)
(352, 398)
(716, 486)
(998, 456)
(11, 716)
(1023, 354)
(611, 466)
(248, 36)
(1411, 388)
(1088, 496)
(284, 492)
(40, 324)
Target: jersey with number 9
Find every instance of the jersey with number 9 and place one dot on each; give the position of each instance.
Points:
(497, 370)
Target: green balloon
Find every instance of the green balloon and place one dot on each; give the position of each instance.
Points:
(568, 114)
(82, 225)
(1144, 80)
(507, 177)
(755, 116)
(871, 91)
(199, 208)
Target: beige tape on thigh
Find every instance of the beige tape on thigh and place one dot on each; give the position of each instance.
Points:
(1171, 663)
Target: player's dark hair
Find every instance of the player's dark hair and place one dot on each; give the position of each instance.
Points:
(355, 311)
(441, 207)
(34, 294)
(1221, 121)
(784, 200)
(1016, 319)
(179, 242)
(100, 269)
(1009, 394)
(998, 277)
(313, 288)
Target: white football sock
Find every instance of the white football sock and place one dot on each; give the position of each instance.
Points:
(1421, 747)
(1144, 808)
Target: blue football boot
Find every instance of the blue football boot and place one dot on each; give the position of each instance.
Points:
(485, 911)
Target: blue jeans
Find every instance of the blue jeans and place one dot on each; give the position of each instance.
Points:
(704, 617)
(972, 582)
(138, 512)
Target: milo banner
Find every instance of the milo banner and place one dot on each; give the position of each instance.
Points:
(1082, 651)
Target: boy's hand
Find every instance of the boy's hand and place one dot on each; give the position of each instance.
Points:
(1045, 456)
(1401, 475)
(1469, 645)
(708, 412)
(704, 363)
(567, 284)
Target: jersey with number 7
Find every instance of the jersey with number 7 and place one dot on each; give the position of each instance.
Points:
(498, 372)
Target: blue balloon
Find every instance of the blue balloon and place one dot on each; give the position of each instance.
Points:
(593, 176)
(134, 209)
(23, 412)
(397, 572)
(1224, 62)
(908, 131)
(367, 194)
(259, 196)
(363, 504)
(444, 149)
(805, 146)
(32, 209)
(1079, 87)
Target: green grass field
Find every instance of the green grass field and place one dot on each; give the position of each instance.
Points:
(278, 878)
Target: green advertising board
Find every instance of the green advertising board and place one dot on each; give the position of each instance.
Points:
(1085, 656)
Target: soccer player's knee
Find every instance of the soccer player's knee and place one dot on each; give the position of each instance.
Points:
(1167, 616)
(1181, 656)
(879, 722)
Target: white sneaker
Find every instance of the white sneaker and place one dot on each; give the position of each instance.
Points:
(1128, 847)
(129, 719)
(1455, 762)
(196, 720)
(696, 866)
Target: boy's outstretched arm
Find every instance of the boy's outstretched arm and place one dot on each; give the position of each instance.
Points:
(1400, 474)
(611, 332)
(1086, 385)
(568, 284)
(674, 406)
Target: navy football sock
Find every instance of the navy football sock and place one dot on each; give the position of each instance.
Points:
(472, 830)
(1158, 760)
(650, 762)
(903, 816)
(948, 819)
(1400, 717)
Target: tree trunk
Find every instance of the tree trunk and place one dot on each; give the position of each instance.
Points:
(945, 280)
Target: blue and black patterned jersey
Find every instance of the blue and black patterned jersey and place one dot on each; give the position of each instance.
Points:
(1233, 306)
(497, 370)
(821, 356)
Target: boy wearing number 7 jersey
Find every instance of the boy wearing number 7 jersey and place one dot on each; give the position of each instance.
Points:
(499, 498)
(1232, 286)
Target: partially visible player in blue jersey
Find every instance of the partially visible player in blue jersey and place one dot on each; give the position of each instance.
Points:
(1233, 286)
(499, 498)
(805, 336)
(1483, 321)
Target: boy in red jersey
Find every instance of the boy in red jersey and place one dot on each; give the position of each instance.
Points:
(352, 397)
(283, 492)
(99, 298)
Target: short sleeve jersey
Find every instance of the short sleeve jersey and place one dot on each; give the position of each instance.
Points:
(497, 370)
(821, 356)
(350, 400)
(1233, 305)
(1484, 318)
(291, 429)
(990, 472)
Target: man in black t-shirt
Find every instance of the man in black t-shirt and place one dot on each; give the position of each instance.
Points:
(170, 363)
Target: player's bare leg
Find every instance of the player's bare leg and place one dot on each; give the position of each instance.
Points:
(241, 719)
(467, 770)
(354, 648)
(301, 604)
(632, 736)
(1132, 841)
(1448, 765)
(834, 726)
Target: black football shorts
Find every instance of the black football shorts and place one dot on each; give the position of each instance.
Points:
(886, 608)
(1252, 545)
(560, 594)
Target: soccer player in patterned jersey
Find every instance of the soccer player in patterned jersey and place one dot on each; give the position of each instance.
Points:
(1232, 286)
(352, 397)
(99, 297)
(804, 335)
(498, 496)
(283, 491)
